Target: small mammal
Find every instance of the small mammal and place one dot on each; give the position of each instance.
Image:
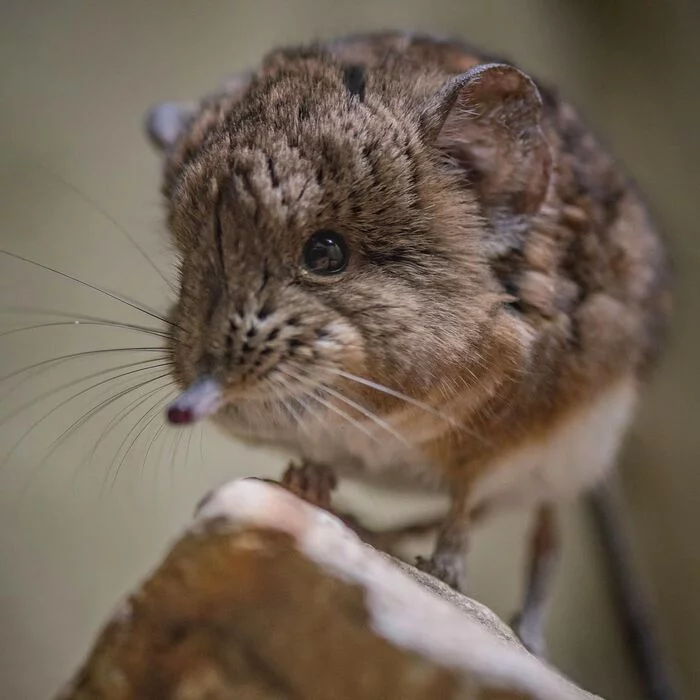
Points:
(412, 262)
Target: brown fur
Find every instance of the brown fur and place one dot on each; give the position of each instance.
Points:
(504, 279)
(507, 331)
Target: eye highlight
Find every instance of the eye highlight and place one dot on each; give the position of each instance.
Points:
(325, 253)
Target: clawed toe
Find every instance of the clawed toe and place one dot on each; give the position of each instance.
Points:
(314, 483)
(449, 570)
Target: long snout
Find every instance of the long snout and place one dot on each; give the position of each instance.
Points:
(199, 400)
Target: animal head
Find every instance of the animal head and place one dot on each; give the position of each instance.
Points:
(337, 222)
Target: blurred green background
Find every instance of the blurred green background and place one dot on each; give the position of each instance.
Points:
(75, 80)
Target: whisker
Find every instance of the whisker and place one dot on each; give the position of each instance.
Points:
(368, 414)
(152, 441)
(201, 444)
(358, 407)
(93, 203)
(154, 413)
(161, 457)
(103, 435)
(118, 420)
(339, 412)
(396, 394)
(298, 420)
(76, 425)
(174, 456)
(68, 385)
(112, 295)
(346, 416)
(318, 418)
(60, 405)
(82, 353)
(72, 315)
(54, 324)
(190, 433)
(88, 458)
(307, 394)
(71, 430)
(154, 409)
(457, 425)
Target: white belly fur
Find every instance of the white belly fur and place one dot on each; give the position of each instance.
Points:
(572, 458)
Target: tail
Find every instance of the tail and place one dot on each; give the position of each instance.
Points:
(631, 596)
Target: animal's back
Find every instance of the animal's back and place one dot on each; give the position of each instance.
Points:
(591, 276)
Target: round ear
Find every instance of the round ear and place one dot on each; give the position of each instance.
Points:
(167, 121)
(487, 120)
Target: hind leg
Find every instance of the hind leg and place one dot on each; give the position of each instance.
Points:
(529, 624)
(448, 561)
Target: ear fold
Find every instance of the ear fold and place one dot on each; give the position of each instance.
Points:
(167, 121)
(488, 121)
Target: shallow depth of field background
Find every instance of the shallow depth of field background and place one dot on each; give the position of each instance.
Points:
(78, 529)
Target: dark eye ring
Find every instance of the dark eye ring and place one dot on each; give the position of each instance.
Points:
(326, 253)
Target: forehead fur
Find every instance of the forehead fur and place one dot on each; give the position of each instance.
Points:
(305, 125)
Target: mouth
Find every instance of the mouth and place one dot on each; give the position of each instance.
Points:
(201, 399)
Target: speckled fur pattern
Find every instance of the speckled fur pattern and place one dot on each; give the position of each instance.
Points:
(505, 275)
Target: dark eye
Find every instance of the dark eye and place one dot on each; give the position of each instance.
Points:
(326, 253)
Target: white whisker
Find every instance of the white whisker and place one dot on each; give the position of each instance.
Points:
(298, 420)
(332, 407)
(457, 425)
(395, 394)
(359, 408)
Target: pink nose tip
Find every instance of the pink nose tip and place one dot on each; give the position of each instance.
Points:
(199, 400)
(180, 416)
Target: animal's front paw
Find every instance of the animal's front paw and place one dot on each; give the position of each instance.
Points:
(449, 569)
(314, 483)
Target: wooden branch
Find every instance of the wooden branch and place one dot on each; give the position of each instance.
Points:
(268, 597)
